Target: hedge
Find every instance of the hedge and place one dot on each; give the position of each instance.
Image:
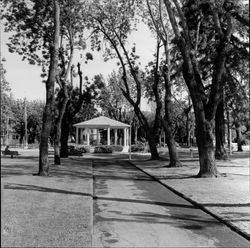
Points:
(77, 151)
(137, 148)
(117, 148)
(103, 149)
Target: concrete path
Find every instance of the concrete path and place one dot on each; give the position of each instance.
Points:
(132, 210)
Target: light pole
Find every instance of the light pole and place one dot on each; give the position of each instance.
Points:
(25, 125)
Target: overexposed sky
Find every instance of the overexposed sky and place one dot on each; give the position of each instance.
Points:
(25, 80)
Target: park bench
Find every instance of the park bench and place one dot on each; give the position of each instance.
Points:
(11, 153)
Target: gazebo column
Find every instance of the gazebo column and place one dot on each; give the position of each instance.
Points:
(127, 135)
(115, 136)
(88, 143)
(108, 137)
(77, 135)
(124, 136)
(98, 137)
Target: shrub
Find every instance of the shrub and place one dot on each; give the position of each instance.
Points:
(103, 149)
(117, 148)
(77, 151)
(84, 149)
(139, 147)
(73, 151)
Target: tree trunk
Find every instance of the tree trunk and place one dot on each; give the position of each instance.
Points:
(172, 150)
(188, 131)
(167, 123)
(205, 142)
(64, 137)
(188, 123)
(58, 125)
(136, 134)
(151, 133)
(152, 146)
(48, 110)
(238, 136)
(220, 151)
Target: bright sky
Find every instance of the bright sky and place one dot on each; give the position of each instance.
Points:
(25, 80)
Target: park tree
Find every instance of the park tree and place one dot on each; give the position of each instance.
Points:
(81, 106)
(35, 27)
(6, 103)
(115, 105)
(235, 90)
(112, 101)
(73, 20)
(50, 84)
(237, 97)
(115, 21)
(192, 37)
(45, 33)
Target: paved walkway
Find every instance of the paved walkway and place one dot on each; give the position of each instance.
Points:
(132, 210)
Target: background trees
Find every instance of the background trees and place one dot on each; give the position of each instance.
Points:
(199, 45)
(82, 105)
(34, 110)
(6, 100)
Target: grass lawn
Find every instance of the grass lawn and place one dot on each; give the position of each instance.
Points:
(54, 211)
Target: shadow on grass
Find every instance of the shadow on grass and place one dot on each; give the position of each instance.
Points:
(69, 169)
(27, 187)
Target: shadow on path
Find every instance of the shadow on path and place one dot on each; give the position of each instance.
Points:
(143, 202)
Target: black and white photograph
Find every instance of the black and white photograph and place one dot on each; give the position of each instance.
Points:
(125, 123)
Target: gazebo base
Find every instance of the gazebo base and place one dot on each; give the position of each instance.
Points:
(125, 149)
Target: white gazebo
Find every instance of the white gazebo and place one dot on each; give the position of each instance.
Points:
(94, 126)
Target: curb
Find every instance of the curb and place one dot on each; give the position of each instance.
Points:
(198, 205)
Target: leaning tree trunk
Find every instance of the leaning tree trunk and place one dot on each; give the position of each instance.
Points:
(238, 136)
(167, 122)
(172, 150)
(58, 124)
(68, 117)
(151, 133)
(220, 151)
(64, 138)
(48, 110)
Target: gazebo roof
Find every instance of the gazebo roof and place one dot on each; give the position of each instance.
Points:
(101, 122)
